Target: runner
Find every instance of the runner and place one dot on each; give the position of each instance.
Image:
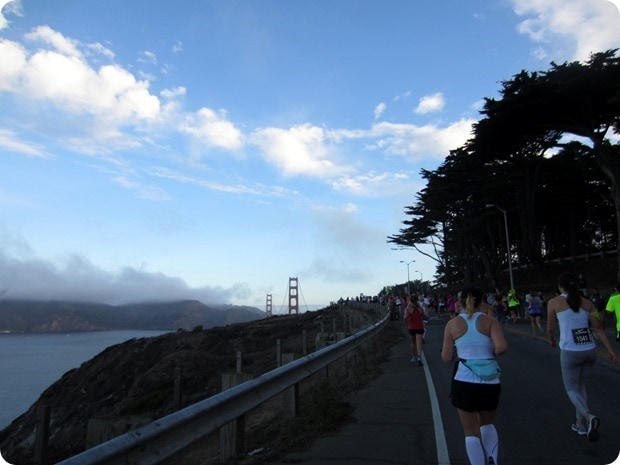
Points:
(577, 348)
(478, 339)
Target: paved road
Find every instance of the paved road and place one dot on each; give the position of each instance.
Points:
(404, 416)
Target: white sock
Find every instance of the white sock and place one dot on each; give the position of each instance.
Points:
(490, 441)
(475, 452)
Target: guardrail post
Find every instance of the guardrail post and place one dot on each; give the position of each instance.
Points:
(278, 353)
(291, 395)
(178, 389)
(304, 342)
(239, 358)
(41, 451)
(232, 435)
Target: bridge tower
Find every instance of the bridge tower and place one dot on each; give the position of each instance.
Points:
(293, 302)
(268, 306)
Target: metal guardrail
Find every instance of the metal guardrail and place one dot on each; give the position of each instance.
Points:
(163, 438)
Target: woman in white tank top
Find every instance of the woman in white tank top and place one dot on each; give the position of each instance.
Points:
(477, 337)
(573, 314)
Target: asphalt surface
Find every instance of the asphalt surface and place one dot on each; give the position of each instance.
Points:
(404, 416)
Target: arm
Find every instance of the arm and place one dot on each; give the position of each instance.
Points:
(500, 345)
(551, 324)
(448, 344)
(598, 327)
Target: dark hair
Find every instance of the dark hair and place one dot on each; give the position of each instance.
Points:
(568, 282)
(471, 298)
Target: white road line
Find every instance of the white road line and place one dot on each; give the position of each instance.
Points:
(440, 438)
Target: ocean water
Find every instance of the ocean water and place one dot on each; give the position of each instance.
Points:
(30, 363)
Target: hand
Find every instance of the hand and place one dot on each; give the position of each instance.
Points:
(612, 357)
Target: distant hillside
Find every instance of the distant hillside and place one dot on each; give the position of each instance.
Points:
(30, 316)
(133, 383)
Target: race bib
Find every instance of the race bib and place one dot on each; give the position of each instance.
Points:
(581, 336)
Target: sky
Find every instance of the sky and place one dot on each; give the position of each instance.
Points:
(212, 150)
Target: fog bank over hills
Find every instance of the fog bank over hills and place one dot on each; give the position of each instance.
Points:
(29, 316)
(78, 280)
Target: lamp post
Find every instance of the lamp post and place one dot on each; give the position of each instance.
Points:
(421, 281)
(491, 205)
(408, 263)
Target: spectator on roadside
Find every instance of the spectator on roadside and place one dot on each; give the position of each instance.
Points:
(477, 338)
(573, 314)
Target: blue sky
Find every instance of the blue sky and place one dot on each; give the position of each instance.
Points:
(211, 150)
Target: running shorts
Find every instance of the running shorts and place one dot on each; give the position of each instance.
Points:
(475, 397)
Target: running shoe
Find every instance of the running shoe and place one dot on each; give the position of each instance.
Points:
(420, 361)
(593, 424)
(412, 360)
(580, 429)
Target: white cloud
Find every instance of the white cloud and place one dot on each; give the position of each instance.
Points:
(170, 94)
(420, 142)
(76, 278)
(430, 103)
(148, 58)
(379, 110)
(372, 184)
(99, 49)
(56, 40)
(142, 191)
(256, 190)
(177, 47)
(12, 63)
(10, 142)
(213, 129)
(61, 76)
(404, 96)
(300, 150)
(8, 6)
(582, 27)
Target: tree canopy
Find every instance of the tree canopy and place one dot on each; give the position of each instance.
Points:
(547, 154)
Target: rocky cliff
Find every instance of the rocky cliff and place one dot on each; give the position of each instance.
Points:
(132, 383)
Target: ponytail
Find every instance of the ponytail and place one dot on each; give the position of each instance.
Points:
(568, 282)
(471, 298)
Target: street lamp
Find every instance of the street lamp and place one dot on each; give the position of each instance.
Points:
(408, 263)
(421, 281)
(491, 205)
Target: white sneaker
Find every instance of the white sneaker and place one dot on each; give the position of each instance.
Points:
(580, 429)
